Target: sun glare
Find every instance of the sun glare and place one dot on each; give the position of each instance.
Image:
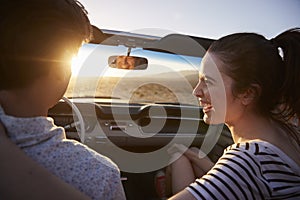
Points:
(75, 67)
(78, 60)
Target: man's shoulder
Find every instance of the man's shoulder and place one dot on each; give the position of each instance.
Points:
(82, 155)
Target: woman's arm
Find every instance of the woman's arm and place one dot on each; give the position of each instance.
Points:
(186, 166)
(199, 159)
(22, 178)
(183, 195)
(195, 156)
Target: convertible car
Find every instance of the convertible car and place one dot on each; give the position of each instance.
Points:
(130, 98)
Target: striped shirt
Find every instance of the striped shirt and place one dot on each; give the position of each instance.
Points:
(252, 170)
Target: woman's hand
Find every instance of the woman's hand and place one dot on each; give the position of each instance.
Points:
(195, 155)
(198, 158)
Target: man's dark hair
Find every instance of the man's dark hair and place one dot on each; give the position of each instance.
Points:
(36, 35)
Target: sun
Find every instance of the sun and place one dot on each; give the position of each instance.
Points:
(78, 61)
(75, 65)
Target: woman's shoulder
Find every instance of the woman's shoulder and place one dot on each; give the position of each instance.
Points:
(262, 153)
(252, 153)
(256, 147)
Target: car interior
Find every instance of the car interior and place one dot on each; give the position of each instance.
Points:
(134, 114)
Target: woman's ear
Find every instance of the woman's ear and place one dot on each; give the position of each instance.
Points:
(251, 94)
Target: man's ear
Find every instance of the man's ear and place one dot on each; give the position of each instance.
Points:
(251, 94)
(58, 74)
(61, 70)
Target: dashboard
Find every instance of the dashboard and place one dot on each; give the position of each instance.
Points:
(137, 127)
(137, 136)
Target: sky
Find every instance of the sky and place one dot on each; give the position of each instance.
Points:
(204, 18)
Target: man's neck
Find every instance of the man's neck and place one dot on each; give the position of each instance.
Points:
(22, 103)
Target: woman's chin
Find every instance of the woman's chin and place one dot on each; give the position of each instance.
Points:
(207, 119)
(211, 121)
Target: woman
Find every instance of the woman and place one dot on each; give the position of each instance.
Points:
(260, 79)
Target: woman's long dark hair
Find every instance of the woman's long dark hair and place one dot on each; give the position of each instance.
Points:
(274, 65)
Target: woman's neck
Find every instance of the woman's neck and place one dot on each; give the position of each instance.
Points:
(255, 127)
(252, 126)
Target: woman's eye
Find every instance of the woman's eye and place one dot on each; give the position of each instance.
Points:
(208, 82)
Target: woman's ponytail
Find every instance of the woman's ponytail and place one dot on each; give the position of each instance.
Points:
(288, 44)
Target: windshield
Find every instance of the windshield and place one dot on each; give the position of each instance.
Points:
(169, 78)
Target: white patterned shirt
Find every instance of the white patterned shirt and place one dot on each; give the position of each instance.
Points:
(88, 171)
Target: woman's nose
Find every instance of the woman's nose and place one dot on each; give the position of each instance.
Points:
(198, 90)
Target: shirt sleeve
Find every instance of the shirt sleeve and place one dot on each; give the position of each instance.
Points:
(119, 193)
(235, 176)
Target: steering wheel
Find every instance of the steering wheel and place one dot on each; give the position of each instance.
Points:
(80, 126)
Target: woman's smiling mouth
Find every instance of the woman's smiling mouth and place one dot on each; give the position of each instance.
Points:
(206, 107)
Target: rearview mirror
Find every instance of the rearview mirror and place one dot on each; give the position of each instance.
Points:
(128, 62)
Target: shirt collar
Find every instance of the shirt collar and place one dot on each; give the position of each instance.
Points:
(31, 130)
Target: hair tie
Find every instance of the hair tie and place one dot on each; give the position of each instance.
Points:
(280, 50)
